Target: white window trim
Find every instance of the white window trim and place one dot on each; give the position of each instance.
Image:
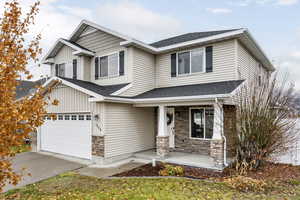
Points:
(190, 123)
(99, 65)
(190, 52)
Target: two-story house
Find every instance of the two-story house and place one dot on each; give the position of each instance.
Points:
(169, 100)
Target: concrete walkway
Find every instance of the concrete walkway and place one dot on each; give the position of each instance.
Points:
(106, 172)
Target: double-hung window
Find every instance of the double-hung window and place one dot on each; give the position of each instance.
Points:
(60, 69)
(201, 123)
(192, 61)
(109, 66)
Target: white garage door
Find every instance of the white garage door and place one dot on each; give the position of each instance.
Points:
(70, 134)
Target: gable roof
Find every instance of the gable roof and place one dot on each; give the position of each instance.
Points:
(60, 43)
(187, 37)
(170, 44)
(215, 88)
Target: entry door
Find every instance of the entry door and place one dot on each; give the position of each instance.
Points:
(171, 126)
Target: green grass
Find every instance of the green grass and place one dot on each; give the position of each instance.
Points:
(21, 149)
(73, 186)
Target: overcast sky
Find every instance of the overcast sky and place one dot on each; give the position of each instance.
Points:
(274, 23)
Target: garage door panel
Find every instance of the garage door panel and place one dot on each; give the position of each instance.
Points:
(69, 137)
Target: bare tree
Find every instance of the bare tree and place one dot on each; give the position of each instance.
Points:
(265, 121)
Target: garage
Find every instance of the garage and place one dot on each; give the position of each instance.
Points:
(69, 134)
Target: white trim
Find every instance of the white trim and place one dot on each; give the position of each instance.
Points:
(55, 78)
(204, 119)
(78, 49)
(123, 89)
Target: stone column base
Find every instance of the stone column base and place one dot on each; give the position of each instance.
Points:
(162, 146)
(217, 152)
(98, 146)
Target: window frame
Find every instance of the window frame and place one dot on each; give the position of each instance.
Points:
(58, 68)
(108, 70)
(190, 52)
(204, 119)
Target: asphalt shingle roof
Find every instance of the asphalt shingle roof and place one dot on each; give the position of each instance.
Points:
(214, 88)
(188, 37)
(102, 90)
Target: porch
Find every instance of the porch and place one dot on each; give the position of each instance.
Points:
(198, 135)
(180, 158)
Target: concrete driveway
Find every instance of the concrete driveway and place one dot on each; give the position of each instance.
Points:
(40, 167)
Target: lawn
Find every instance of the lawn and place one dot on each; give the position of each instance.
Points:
(74, 186)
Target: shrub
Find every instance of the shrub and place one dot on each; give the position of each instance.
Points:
(246, 184)
(170, 170)
(264, 123)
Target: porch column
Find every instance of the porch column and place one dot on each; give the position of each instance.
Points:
(217, 143)
(162, 140)
(218, 122)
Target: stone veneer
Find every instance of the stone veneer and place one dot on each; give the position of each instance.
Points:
(98, 146)
(162, 146)
(183, 142)
(217, 152)
(230, 129)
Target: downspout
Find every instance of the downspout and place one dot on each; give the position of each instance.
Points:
(222, 134)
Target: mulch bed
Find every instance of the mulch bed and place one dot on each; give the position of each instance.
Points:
(191, 172)
(268, 172)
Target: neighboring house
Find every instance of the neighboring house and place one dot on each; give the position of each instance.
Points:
(120, 97)
(25, 88)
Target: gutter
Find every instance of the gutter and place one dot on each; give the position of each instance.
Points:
(159, 100)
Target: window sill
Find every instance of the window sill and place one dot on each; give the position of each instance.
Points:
(191, 74)
(204, 139)
(107, 77)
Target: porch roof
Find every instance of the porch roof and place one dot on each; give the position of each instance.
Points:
(215, 88)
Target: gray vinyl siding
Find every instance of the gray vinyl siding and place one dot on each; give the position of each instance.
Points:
(224, 67)
(64, 55)
(104, 44)
(70, 100)
(143, 72)
(128, 129)
(248, 67)
(97, 124)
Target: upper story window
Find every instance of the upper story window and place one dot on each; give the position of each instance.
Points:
(191, 61)
(109, 66)
(60, 69)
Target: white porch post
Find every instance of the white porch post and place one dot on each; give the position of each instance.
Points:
(162, 122)
(217, 143)
(218, 122)
(162, 140)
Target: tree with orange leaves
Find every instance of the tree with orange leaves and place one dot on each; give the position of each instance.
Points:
(18, 118)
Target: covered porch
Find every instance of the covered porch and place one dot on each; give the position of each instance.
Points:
(194, 134)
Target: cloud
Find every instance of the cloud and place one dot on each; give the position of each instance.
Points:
(219, 10)
(263, 2)
(287, 2)
(295, 54)
(137, 21)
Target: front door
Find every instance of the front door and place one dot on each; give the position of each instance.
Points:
(171, 126)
